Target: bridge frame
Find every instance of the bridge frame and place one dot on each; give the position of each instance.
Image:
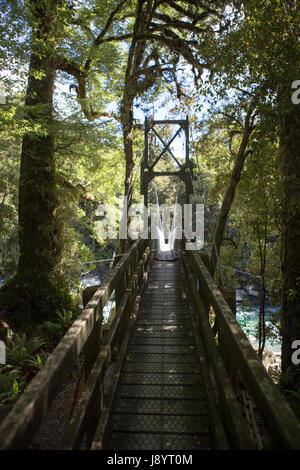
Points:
(91, 414)
(185, 171)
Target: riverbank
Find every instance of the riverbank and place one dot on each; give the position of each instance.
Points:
(247, 314)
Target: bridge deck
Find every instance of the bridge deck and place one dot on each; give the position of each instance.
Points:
(161, 402)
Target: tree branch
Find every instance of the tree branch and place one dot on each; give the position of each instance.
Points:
(177, 45)
(189, 13)
(105, 30)
(178, 24)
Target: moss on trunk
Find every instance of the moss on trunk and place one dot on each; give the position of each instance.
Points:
(289, 126)
(36, 291)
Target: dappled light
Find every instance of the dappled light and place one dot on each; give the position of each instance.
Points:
(149, 227)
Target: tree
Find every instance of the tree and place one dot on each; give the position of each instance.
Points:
(239, 160)
(260, 50)
(160, 37)
(259, 221)
(35, 292)
(289, 154)
(157, 38)
(274, 56)
(38, 290)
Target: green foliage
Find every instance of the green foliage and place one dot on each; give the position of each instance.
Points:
(290, 387)
(25, 356)
(53, 331)
(66, 318)
(88, 155)
(257, 53)
(287, 378)
(251, 238)
(21, 349)
(50, 297)
(11, 384)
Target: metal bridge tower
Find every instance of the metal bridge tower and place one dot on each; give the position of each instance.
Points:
(185, 170)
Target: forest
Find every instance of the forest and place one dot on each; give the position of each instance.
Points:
(78, 80)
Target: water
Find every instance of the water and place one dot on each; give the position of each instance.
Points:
(94, 278)
(109, 308)
(248, 319)
(247, 316)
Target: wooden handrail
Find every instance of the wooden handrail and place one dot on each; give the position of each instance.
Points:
(88, 410)
(280, 421)
(24, 418)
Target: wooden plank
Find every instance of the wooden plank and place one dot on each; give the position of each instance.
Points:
(217, 425)
(282, 424)
(155, 388)
(236, 424)
(88, 293)
(88, 407)
(100, 436)
(23, 420)
(26, 415)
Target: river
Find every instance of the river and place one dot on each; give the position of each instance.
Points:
(247, 314)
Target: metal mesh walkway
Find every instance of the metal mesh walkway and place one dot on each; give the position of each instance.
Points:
(161, 402)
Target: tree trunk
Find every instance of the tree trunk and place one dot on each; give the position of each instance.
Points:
(37, 195)
(35, 291)
(289, 154)
(230, 192)
(127, 128)
(262, 323)
(135, 57)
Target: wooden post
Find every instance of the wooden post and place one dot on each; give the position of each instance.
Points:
(229, 295)
(146, 198)
(93, 344)
(205, 259)
(203, 293)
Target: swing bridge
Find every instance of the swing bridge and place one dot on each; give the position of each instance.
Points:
(172, 370)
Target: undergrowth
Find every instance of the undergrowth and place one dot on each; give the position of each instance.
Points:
(26, 354)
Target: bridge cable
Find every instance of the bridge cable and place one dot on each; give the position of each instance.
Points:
(172, 229)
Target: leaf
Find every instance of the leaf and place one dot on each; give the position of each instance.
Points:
(15, 388)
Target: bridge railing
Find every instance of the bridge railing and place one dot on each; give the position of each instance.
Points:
(232, 358)
(85, 336)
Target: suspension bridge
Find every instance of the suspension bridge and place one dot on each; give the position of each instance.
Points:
(172, 371)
